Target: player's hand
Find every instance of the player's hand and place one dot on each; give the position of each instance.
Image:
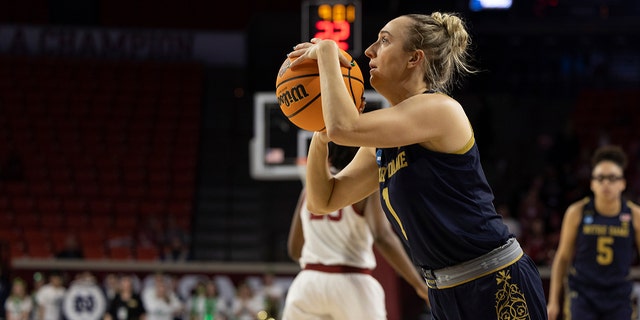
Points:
(423, 292)
(309, 50)
(303, 51)
(553, 310)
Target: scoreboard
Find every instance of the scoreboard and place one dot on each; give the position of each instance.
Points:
(340, 21)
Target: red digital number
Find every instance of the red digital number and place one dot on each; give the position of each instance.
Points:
(338, 31)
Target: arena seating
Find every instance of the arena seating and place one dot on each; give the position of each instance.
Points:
(90, 146)
(611, 116)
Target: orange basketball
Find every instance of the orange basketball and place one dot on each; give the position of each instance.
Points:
(299, 96)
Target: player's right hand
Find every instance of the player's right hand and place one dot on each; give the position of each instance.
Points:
(423, 292)
(553, 310)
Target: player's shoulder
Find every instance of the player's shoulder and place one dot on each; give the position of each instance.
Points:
(635, 208)
(433, 100)
(577, 207)
(580, 203)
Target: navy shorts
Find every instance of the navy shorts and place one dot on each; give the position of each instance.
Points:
(514, 292)
(586, 303)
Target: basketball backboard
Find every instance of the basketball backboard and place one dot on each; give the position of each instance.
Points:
(278, 146)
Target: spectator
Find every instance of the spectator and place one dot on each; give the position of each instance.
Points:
(18, 305)
(175, 249)
(206, 303)
(71, 249)
(110, 286)
(175, 246)
(5, 287)
(149, 283)
(126, 304)
(161, 303)
(49, 298)
(246, 303)
(272, 294)
(38, 282)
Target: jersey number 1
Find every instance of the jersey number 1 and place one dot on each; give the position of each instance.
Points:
(387, 203)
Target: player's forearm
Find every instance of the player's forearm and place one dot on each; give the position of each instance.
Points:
(319, 181)
(338, 107)
(393, 252)
(558, 273)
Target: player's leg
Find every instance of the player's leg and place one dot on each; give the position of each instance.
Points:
(357, 296)
(578, 307)
(618, 303)
(304, 300)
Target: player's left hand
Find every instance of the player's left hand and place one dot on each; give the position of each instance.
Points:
(309, 50)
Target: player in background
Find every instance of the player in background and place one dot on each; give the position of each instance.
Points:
(597, 241)
(336, 254)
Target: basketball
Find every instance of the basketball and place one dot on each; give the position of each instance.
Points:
(299, 96)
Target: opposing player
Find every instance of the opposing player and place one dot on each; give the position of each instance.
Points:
(336, 254)
(420, 154)
(596, 247)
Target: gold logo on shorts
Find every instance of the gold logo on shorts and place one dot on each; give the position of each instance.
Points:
(510, 302)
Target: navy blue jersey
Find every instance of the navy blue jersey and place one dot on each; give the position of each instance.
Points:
(440, 204)
(604, 248)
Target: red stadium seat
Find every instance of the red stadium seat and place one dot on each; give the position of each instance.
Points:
(121, 253)
(53, 220)
(39, 250)
(74, 206)
(49, 206)
(94, 251)
(27, 220)
(147, 253)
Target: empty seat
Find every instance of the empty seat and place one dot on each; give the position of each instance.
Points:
(74, 206)
(49, 205)
(101, 221)
(17, 189)
(51, 220)
(120, 253)
(39, 250)
(75, 221)
(126, 223)
(27, 220)
(94, 251)
(100, 207)
(147, 253)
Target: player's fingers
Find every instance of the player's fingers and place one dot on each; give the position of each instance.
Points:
(297, 61)
(346, 62)
(303, 45)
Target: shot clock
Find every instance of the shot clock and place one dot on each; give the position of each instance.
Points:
(333, 19)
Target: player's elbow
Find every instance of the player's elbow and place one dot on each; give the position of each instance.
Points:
(339, 133)
(318, 209)
(384, 240)
(561, 260)
(293, 253)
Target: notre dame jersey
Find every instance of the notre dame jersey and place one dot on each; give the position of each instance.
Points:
(605, 248)
(440, 204)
